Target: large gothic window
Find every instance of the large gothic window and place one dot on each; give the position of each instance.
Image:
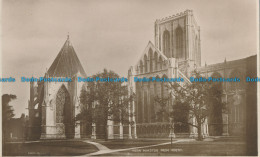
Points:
(141, 67)
(164, 88)
(160, 63)
(236, 101)
(151, 59)
(166, 42)
(234, 86)
(145, 63)
(145, 107)
(179, 43)
(62, 105)
(155, 61)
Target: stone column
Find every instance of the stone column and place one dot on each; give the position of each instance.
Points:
(77, 123)
(130, 120)
(193, 130)
(225, 117)
(51, 129)
(110, 129)
(142, 103)
(204, 134)
(134, 135)
(132, 90)
(76, 104)
(225, 125)
(207, 126)
(156, 36)
(121, 131)
(134, 122)
(93, 136)
(187, 34)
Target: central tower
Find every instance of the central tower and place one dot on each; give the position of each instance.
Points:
(178, 36)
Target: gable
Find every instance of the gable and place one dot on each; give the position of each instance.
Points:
(150, 48)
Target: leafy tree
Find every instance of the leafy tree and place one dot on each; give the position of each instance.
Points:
(162, 113)
(7, 111)
(85, 115)
(216, 109)
(195, 99)
(106, 101)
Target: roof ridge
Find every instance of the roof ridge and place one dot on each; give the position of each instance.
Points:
(60, 57)
(66, 63)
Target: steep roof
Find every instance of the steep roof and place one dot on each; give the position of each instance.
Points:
(66, 64)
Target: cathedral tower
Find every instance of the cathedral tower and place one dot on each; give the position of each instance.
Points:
(178, 36)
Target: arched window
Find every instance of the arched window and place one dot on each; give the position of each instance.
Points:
(153, 103)
(217, 85)
(179, 43)
(145, 63)
(151, 59)
(164, 88)
(236, 100)
(141, 67)
(155, 61)
(145, 102)
(63, 109)
(157, 87)
(233, 86)
(166, 42)
(160, 63)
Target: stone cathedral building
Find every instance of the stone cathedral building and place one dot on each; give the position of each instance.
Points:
(176, 52)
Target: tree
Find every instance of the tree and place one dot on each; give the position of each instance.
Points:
(85, 115)
(7, 111)
(162, 114)
(106, 100)
(216, 110)
(195, 99)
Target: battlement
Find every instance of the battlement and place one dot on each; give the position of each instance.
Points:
(186, 12)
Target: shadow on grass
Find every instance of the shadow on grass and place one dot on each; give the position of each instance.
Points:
(46, 148)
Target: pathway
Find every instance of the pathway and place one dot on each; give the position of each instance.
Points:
(104, 150)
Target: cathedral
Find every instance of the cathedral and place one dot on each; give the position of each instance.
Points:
(176, 52)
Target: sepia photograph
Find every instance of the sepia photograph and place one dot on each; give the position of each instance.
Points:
(129, 77)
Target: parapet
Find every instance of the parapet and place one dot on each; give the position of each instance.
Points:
(186, 12)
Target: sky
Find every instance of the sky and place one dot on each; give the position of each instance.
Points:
(112, 34)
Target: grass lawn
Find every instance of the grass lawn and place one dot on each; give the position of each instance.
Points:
(215, 147)
(224, 146)
(53, 148)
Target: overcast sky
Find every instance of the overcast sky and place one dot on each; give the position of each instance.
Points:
(112, 34)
